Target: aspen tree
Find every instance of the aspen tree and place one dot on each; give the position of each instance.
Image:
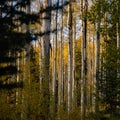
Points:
(46, 27)
(70, 56)
(89, 69)
(60, 82)
(84, 5)
(46, 30)
(118, 33)
(118, 43)
(41, 47)
(96, 69)
(73, 70)
(24, 79)
(28, 11)
(55, 58)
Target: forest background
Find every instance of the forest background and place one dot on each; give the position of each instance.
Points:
(59, 60)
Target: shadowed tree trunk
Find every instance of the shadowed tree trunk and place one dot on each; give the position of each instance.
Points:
(96, 69)
(55, 79)
(84, 5)
(45, 29)
(118, 43)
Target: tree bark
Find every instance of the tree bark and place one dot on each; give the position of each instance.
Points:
(60, 82)
(70, 56)
(96, 69)
(46, 30)
(84, 5)
(73, 70)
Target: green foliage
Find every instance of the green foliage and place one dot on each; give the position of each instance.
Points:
(103, 116)
(109, 82)
(78, 59)
(107, 13)
(25, 93)
(63, 114)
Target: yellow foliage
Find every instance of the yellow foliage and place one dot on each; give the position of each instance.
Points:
(65, 53)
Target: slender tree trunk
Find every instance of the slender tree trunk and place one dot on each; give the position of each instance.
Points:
(73, 70)
(18, 76)
(118, 26)
(28, 10)
(118, 45)
(89, 77)
(84, 66)
(24, 78)
(118, 36)
(96, 68)
(70, 56)
(93, 69)
(105, 70)
(55, 59)
(60, 82)
(46, 27)
(46, 30)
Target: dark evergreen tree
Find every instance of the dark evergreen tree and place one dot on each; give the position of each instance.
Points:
(12, 40)
(108, 75)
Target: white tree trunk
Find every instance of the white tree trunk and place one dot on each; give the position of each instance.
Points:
(55, 54)
(73, 70)
(60, 82)
(118, 36)
(89, 77)
(70, 56)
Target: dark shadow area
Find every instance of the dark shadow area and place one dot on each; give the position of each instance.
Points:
(11, 85)
(54, 7)
(8, 70)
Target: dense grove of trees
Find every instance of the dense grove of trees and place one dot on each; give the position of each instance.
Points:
(59, 60)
